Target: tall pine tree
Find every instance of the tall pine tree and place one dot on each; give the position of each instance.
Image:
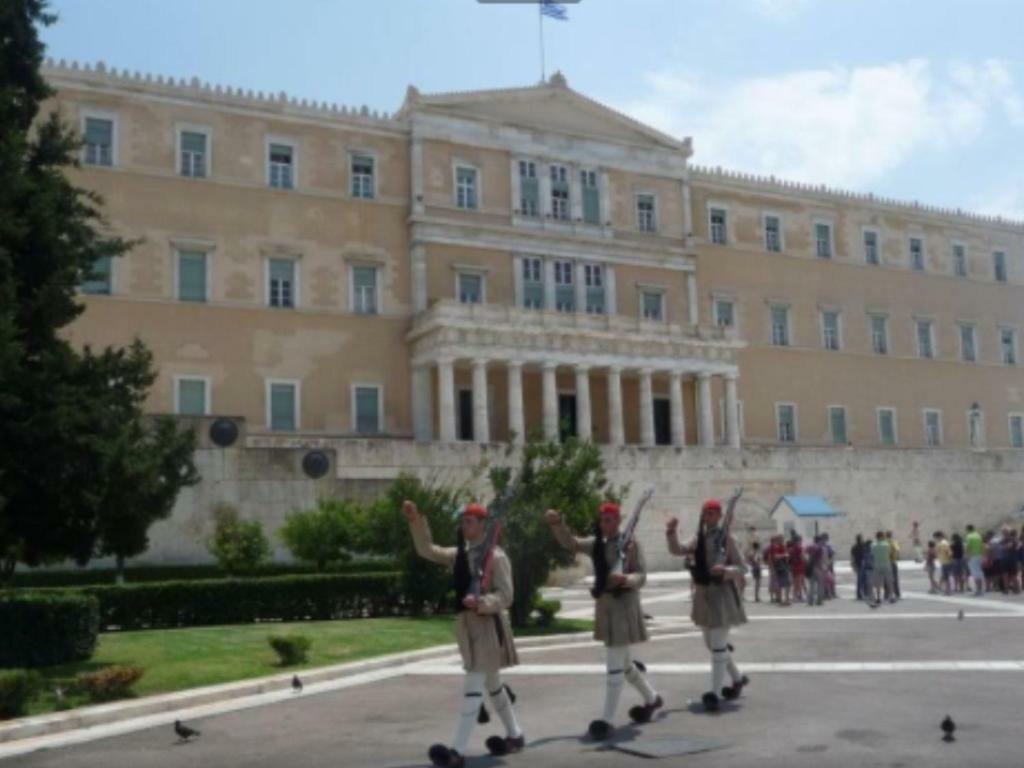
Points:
(80, 466)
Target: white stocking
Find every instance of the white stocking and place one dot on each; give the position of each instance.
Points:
(639, 680)
(473, 696)
(717, 641)
(503, 705)
(616, 660)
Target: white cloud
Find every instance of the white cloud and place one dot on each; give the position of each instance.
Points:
(779, 9)
(843, 126)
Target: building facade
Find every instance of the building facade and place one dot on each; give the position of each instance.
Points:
(483, 266)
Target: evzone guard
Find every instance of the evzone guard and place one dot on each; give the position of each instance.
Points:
(484, 592)
(717, 573)
(619, 573)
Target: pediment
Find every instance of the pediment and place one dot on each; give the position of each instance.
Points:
(550, 107)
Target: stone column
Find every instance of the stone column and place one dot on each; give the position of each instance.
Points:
(583, 418)
(675, 387)
(418, 256)
(422, 418)
(516, 422)
(732, 411)
(579, 287)
(691, 298)
(706, 422)
(549, 284)
(616, 433)
(610, 294)
(646, 408)
(516, 185)
(550, 401)
(517, 279)
(687, 212)
(544, 189)
(446, 399)
(481, 418)
(416, 161)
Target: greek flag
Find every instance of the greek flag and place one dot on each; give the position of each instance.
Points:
(553, 10)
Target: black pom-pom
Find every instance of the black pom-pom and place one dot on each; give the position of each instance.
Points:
(599, 730)
(439, 755)
(497, 746)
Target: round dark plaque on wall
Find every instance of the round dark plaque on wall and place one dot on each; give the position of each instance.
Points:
(315, 464)
(223, 433)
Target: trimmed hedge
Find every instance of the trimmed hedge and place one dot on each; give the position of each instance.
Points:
(40, 629)
(241, 601)
(17, 686)
(145, 574)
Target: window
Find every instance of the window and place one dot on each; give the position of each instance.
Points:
(837, 424)
(191, 276)
(871, 247)
(281, 166)
(281, 283)
(925, 347)
(471, 288)
(593, 277)
(1016, 430)
(533, 284)
(917, 254)
(717, 226)
(191, 396)
(932, 428)
(465, 187)
(367, 409)
(967, 346)
(98, 146)
(364, 290)
(100, 278)
(999, 266)
(780, 325)
(193, 148)
(887, 426)
(565, 292)
(529, 195)
(725, 313)
(959, 260)
(651, 305)
(283, 406)
(591, 197)
(772, 233)
(823, 240)
(361, 172)
(785, 419)
(559, 192)
(645, 220)
(880, 334)
(830, 329)
(1008, 345)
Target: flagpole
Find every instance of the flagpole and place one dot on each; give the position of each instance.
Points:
(540, 24)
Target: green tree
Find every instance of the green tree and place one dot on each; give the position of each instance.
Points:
(565, 476)
(64, 414)
(322, 536)
(239, 545)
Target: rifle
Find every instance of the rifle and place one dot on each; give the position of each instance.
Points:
(625, 540)
(492, 535)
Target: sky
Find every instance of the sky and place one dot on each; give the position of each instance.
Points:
(911, 99)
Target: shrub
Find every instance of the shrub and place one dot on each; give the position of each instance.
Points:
(17, 686)
(323, 535)
(39, 629)
(241, 601)
(238, 545)
(546, 611)
(290, 649)
(108, 684)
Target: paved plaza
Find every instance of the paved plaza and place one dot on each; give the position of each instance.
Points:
(832, 686)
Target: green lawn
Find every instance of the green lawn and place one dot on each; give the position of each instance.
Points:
(175, 659)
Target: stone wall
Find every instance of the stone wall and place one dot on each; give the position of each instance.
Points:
(873, 488)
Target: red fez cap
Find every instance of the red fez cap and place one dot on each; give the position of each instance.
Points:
(711, 505)
(609, 508)
(475, 510)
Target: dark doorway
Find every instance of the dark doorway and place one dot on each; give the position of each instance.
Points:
(465, 414)
(662, 421)
(566, 417)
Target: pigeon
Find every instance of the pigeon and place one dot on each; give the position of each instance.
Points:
(960, 615)
(948, 726)
(183, 731)
(296, 684)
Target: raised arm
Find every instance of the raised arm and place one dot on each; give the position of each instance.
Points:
(423, 541)
(672, 535)
(501, 582)
(564, 536)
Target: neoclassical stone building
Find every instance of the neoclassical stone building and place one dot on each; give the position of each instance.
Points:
(485, 265)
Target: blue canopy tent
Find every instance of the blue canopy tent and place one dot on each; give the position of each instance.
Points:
(802, 514)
